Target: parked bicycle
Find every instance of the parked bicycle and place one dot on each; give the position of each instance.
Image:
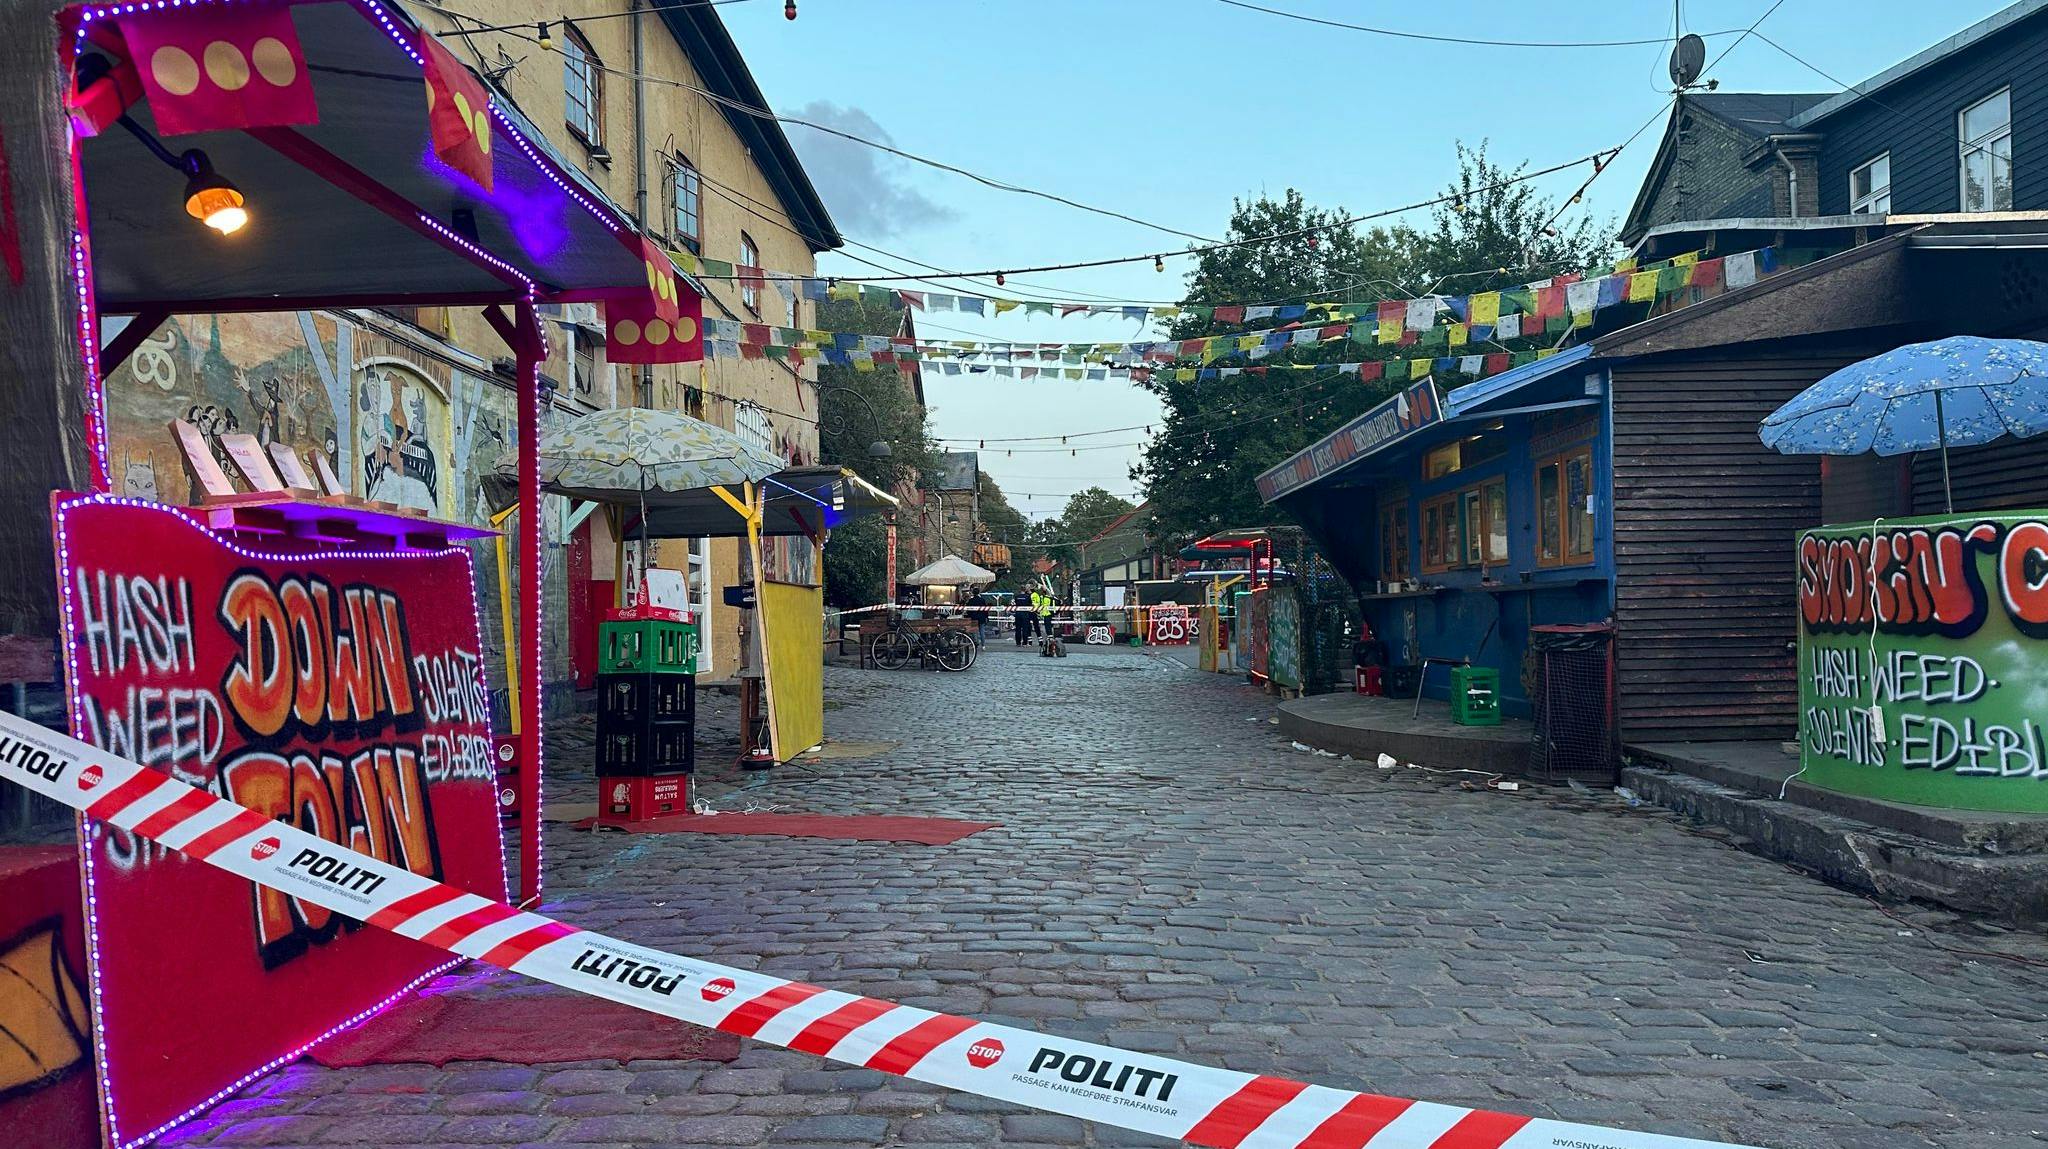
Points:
(947, 648)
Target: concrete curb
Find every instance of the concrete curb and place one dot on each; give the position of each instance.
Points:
(1856, 854)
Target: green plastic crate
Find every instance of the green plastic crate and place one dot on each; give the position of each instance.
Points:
(647, 647)
(1475, 696)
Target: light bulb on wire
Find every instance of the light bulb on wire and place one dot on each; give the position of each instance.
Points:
(547, 42)
(789, 10)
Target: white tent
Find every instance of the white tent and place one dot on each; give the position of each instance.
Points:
(952, 570)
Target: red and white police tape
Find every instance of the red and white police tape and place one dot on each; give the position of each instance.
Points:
(1214, 1107)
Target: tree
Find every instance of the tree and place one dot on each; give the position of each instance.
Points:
(857, 409)
(1086, 514)
(1219, 434)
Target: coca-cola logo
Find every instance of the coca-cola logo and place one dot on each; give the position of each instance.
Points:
(265, 848)
(717, 988)
(90, 777)
(984, 1053)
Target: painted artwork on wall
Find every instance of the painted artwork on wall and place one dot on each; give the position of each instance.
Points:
(402, 434)
(268, 375)
(1923, 660)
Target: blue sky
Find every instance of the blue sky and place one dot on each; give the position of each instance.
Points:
(1166, 109)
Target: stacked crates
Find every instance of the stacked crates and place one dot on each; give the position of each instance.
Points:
(646, 698)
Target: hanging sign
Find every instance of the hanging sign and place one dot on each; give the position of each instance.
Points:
(340, 693)
(1920, 642)
(1409, 411)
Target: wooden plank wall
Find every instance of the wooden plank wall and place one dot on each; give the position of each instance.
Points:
(1704, 522)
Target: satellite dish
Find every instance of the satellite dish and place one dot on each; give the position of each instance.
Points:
(1688, 56)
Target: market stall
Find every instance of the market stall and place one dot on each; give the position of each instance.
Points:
(297, 641)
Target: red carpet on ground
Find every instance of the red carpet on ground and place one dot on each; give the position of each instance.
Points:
(860, 827)
(522, 1028)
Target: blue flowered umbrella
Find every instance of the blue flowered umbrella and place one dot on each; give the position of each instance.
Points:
(1954, 392)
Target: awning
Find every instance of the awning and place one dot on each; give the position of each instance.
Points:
(336, 207)
(800, 501)
(1408, 414)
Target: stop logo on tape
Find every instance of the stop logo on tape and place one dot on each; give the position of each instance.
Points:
(1225, 1109)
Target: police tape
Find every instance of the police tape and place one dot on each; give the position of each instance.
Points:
(1221, 1108)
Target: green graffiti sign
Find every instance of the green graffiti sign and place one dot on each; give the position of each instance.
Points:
(1923, 660)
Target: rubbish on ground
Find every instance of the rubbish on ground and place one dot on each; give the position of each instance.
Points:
(1388, 762)
(1628, 795)
(1507, 785)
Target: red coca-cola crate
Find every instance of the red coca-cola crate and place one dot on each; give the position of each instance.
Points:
(1366, 680)
(638, 799)
(647, 613)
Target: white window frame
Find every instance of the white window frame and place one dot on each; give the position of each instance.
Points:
(750, 288)
(1878, 200)
(1987, 143)
(698, 581)
(579, 64)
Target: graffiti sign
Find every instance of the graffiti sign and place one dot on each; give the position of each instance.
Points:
(1170, 624)
(340, 694)
(1923, 674)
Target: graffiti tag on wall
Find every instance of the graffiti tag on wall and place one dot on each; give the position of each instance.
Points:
(1922, 660)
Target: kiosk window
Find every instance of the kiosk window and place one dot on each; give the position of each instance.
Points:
(1564, 509)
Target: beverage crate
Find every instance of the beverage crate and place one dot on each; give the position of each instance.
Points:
(640, 797)
(666, 748)
(631, 701)
(1475, 696)
(648, 647)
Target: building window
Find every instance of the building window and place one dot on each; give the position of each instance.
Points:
(686, 203)
(1466, 528)
(698, 581)
(1564, 509)
(750, 273)
(1986, 128)
(582, 88)
(1870, 187)
(1394, 554)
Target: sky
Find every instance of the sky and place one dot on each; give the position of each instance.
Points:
(1167, 110)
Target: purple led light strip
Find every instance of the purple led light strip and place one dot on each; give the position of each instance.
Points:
(87, 827)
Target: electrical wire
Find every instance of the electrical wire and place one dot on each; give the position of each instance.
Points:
(1231, 245)
(769, 114)
(1467, 40)
(681, 5)
(1928, 125)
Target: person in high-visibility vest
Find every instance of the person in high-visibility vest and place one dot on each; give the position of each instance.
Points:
(1042, 604)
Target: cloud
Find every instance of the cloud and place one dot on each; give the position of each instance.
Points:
(864, 188)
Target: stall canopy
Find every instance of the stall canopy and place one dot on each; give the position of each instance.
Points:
(951, 570)
(800, 501)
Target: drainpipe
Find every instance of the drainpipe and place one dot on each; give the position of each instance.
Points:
(640, 170)
(1791, 177)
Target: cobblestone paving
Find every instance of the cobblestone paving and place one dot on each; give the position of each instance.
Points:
(1171, 876)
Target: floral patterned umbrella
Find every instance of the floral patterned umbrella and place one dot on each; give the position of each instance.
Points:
(632, 455)
(1953, 392)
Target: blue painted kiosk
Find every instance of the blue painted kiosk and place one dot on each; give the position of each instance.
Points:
(1464, 519)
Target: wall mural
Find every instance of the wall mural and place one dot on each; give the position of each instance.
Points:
(269, 375)
(402, 434)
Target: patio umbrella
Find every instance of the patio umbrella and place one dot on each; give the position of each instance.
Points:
(1957, 392)
(952, 570)
(631, 455)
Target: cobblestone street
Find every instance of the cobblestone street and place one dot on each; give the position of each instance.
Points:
(1170, 875)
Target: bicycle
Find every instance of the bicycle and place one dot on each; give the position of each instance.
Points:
(949, 649)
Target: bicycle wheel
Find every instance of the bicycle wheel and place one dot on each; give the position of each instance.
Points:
(955, 651)
(892, 650)
(973, 648)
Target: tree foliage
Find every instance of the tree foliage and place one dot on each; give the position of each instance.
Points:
(1086, 514)
(1219, 434)
(856, 410)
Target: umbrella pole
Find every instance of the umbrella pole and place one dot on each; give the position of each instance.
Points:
(1948, 495)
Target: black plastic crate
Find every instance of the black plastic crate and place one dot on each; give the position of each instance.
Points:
(664, 748)
(632, 701)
